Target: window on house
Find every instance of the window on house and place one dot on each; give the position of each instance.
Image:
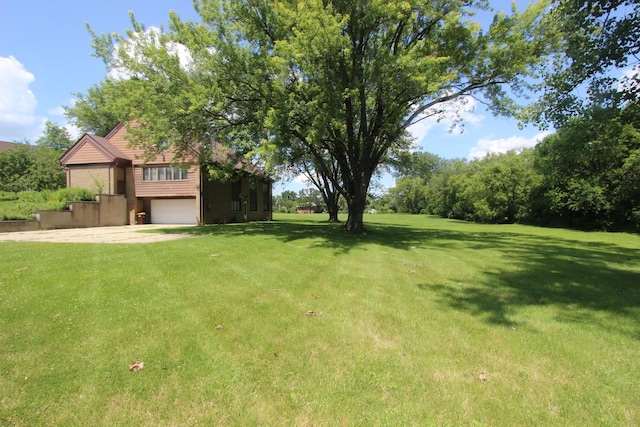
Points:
(266, 196)
(253, 199)
(164, 173)
(236, 191)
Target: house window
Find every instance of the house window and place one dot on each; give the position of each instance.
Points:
(236, 193)
(164, 173)
(266, 196)
(253, 199)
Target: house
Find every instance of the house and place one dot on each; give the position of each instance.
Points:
(161, 191)
(4, 145)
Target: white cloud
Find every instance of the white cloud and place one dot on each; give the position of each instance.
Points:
(301, 179)
(502, 145)
(453, 116)
(17, 102)
(629, 78)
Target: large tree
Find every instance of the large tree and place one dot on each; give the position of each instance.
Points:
(342, 80)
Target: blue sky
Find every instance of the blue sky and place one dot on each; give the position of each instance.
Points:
(45, 57)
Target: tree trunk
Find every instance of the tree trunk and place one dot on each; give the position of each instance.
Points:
(355, 221)
(333, 214)
(331, 201)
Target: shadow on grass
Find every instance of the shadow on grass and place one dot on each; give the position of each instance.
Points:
(581, 277)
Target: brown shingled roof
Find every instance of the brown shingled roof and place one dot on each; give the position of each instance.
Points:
(4, 145)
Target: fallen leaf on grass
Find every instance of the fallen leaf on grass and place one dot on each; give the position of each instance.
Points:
(136, 366)
(314, 313)
(19, 269)
(215, 255)
(219, 326)
(482, 376)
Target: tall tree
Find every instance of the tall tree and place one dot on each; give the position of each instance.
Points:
(55, 137)
(341, 79)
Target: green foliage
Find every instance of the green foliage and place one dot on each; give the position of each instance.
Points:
(29, 167)
(585, 176)
(409, 195)
(416, 164)
(13, 164)
(55, 137)
(27, 202)
(493, 189)
(590, 169)
(600, 38)
(335, 83)
(95, 112)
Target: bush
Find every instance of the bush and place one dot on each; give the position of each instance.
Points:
(30, 201)
(73, 194)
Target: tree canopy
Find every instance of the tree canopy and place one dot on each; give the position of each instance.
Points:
(340, 81)
(30, 167)
(583, 176)
(600, 38)
(55, 137)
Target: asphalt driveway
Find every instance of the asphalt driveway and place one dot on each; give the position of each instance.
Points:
(121, 234)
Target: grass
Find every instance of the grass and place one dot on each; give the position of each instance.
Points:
(7, 204)
(420, 321)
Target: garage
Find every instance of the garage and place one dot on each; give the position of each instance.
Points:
(173, 211)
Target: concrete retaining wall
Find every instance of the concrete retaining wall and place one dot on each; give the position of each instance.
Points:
(107, 210)
(8, 226)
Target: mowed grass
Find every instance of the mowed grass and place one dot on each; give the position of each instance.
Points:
(420, 321)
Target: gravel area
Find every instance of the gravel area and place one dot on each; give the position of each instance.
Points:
(122, 234)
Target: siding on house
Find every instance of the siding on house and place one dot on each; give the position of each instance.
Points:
(88, 154)
(118, 138)
(188, 187)
(101, 178)
(87, 176)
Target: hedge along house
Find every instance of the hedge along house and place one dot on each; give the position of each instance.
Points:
(167, 192)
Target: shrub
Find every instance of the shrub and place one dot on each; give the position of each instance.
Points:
(30, 201)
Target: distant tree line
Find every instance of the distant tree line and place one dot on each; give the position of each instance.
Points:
(307, 198)
(586, 175)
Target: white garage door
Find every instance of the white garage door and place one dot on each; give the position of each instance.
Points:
(173, 211)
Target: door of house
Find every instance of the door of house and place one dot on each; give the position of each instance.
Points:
(245, 211)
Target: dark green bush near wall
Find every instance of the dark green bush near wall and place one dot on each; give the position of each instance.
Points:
(28, 202)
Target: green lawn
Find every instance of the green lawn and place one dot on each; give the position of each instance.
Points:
(7, 204)
(420, 321)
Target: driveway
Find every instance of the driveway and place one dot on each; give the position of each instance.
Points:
(121, 234)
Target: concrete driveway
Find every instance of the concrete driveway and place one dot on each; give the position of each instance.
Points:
(121, 234)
